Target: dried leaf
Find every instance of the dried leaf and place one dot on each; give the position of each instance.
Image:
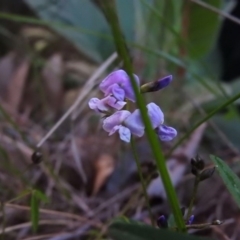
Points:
(7, 66)
(16, 85)
(52, 76)
(104, 167)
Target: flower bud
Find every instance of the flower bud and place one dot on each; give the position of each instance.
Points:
(194, 171)
(206, 173)
(156, 85)
(198, 163)
(190, 220)
(162, 222)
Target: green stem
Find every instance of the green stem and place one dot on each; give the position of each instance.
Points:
(142, 180)
(108, 8)
(195, 187)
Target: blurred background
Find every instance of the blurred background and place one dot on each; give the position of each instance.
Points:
(54, 52)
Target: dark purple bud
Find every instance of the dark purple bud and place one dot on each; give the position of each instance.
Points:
(194, 171)
(162, 222)
(198, 163)
(207, 173)
(190, 220)
(156, 85)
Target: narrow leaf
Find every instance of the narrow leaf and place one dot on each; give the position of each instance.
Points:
(34, 211)
(126, 231)
(171, 221)
(230, 179)
(202, 30)
(41, 196)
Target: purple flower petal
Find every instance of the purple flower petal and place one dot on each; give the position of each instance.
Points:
(156, 85)
(125, 134)
(114, 129)
(127, 86)
(114, 120)
(163, 82)
(106, 104)
(123, 81)
(118, 92)
(135, 124)
(118, 77)
(166, 133)
(93, 102)
(155, 114)
(114, 103)
(190, 220)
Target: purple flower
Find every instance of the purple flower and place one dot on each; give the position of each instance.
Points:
(119, 85)
(119, 122)
(162, 222)
(156, 85)
(106, 104)
(156, 116)
(166, 133)
(190, 220)
(126, 124)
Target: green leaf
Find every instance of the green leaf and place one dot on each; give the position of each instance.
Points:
(84, 14)
(34, 211)
(41, 196)
(171, 221)
(230, 179)
(21, 195)
(230, 128)
(203, 26)
(125, 231)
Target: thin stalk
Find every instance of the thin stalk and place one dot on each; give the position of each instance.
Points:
(109, 10)
(142, 180)
(195, 188)
(216, 110)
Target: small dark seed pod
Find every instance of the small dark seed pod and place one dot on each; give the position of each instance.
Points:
(36, 157)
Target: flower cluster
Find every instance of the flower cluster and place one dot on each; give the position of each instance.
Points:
(117, 89)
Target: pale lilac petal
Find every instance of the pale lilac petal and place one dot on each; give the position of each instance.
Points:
(125, 134)
(127, 86)
(114, 103)
(103, 106)
(166, 133)
(116, 128)
(118, 92)
(118, 77)
(135, 124)
(155, 114)
(93, 102)
(114, 120)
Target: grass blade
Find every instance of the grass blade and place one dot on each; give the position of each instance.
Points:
(130, 231)
(230, 179)
(34, 211)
